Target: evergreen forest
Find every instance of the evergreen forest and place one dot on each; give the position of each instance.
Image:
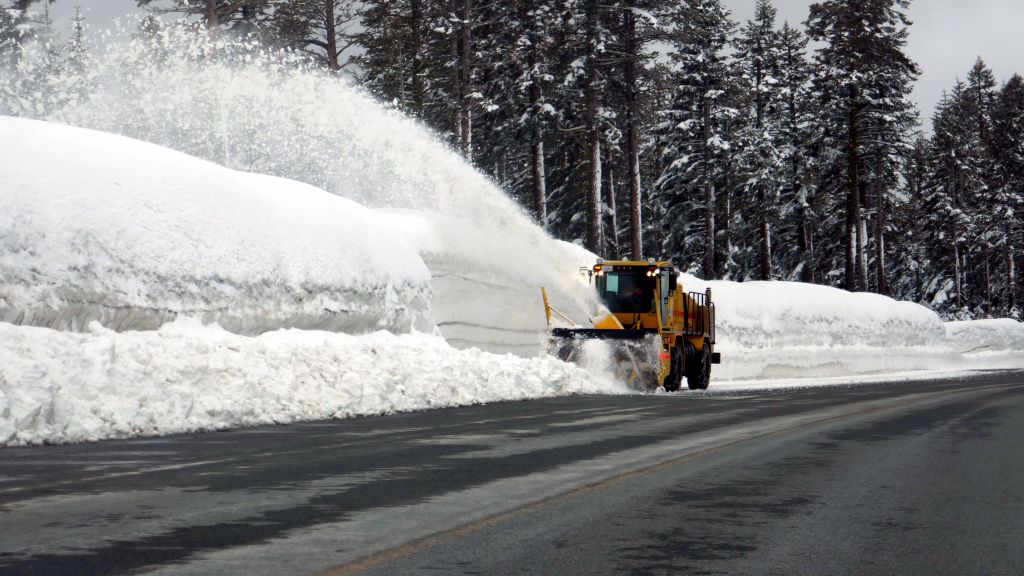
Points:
(756, 150)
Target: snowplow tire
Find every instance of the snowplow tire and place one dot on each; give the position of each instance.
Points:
(674, 380)
(698, 369)
(706, 356)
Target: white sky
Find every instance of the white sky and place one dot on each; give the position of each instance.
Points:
(946, 38)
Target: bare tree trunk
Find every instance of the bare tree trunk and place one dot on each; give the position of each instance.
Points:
(880, 216)
(540, 196)
(709, 190)
(416, 47)
(853, 192)
(330, 26)
(953, 185)
(465, 108)
(862, 238)
(956, 270)
(211, 16)
(593, 200)
(762, 196)
(803, 225)
(609, 194)
(987, 272)
(1011, 273)
(632, 137)
(453, 53)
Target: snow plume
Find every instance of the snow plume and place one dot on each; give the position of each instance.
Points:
(272, 112)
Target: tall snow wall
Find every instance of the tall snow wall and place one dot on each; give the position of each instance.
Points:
(95, 226)
(270, 113)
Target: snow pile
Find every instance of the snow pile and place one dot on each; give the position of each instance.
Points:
(787, 329)
(982, 338)
(101, 227)
(67, 387)
(271, 112)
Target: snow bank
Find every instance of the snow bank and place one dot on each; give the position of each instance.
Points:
(95, 226)
(68, 387)
(986, 337)
(787, 329)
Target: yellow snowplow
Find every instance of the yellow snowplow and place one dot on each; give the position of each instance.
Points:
(656, 332)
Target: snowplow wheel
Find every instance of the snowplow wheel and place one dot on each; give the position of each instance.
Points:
(674, 380)
(698, 367)
(706, 361)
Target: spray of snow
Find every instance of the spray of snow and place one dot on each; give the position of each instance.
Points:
(271, 112)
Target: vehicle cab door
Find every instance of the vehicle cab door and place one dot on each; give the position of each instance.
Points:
(666, 286)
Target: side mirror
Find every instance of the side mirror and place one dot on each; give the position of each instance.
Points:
(672, 281)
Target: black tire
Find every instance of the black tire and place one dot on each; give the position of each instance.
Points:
(706, 381)
(698, 368)
(674, 380)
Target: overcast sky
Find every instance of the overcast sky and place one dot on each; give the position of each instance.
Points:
(946, 38)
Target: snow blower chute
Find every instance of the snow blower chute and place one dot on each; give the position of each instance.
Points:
(656, 333)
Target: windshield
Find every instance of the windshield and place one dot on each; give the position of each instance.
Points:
(629, 290)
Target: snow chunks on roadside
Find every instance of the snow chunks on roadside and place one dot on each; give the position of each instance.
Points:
(58, 387)
(99, 227)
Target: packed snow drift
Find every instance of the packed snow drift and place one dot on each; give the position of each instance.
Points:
(788, 330)
(986, 339)
(100, 227)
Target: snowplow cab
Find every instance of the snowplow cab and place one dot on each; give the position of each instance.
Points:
(656, 332)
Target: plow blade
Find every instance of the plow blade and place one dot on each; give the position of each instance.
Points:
(632, 354)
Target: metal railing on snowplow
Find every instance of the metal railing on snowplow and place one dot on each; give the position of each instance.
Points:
(699, 315)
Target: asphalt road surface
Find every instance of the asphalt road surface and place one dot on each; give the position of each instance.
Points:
(898, 478)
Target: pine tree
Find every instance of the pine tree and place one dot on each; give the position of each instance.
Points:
(318, 27)
(865, 77)
(239, 16)
(1008, 200)
(796, 125)
(692, 129)
(908, 216)
(981, 85)
(759, 57)
(10, 44)
(952, 221)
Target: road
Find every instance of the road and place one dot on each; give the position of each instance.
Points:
(921, 477)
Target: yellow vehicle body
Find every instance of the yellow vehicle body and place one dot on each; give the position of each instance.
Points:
(660, 332)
